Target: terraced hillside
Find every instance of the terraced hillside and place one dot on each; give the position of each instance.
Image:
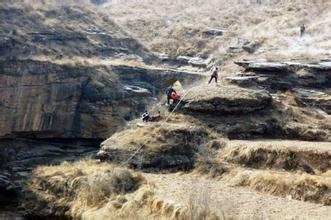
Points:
(75, 77)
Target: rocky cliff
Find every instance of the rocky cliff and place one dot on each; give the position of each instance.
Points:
(69, 77)
(47, 100)
(52, 83)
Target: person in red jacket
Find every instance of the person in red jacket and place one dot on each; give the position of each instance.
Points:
(169, 92)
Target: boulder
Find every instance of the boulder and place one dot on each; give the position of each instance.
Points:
(234, 49)
(213, 32)
(199, 62)
(226, 100)
(251, 47)
(183, 59)
(162, 56)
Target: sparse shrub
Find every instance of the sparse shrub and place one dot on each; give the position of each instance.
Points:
(102, 186)
(79, 186)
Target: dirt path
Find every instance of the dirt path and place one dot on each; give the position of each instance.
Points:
(234, 201)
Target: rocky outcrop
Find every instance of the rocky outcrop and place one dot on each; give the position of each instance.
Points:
(226, 100)
(251, 47)
(263, 66)
(156, 146)
(193, 61)
(45, 100)
(276, 76)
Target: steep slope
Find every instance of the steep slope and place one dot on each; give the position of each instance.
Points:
(69, 77)
(248, 28)
(74, 31)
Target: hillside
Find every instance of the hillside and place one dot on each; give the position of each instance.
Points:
(76, 76)
(176, 27)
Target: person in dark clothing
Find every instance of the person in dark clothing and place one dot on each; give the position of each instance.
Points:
(169, 92)
(302, 30)
(145, 116)
(214, 74)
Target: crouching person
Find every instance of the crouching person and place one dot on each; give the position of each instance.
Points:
(146, 116)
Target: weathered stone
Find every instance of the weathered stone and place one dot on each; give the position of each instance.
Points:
(162, 56)
(313, 98)
(251, 47)
(183, 59)
(213, 32)
(134, 57)
(235, 49)
(199, 62)
(226, 99)
(287, 75)
(242, 80)
(268, 66)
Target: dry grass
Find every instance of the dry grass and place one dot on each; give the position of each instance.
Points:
(303, 187)
(92, 190)
(74, 188)
(159, 146)
(175, 27)
(310, 157)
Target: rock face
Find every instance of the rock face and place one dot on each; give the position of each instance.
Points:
(264, 66)
(8, 189)
(45, 100)
(313, 98)
(310, 83)
(226, 100)
(193, 61)
(287, 75)
(167, 146)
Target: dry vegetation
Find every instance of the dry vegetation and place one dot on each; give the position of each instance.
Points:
(302, 187)
(175, 27)
(74, 188)
(159, 146)
(288, 155)
(92, 190)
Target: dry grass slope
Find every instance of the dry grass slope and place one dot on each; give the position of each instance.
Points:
(175, 27)
(92, 190)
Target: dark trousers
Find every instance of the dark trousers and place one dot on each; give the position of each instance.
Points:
(146, 119)
(168, 99)
(211, 78)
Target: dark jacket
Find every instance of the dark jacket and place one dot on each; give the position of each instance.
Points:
(169, 91)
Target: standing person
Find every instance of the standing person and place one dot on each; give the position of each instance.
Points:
(169, 92)
(214, 74)
(302, 30)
